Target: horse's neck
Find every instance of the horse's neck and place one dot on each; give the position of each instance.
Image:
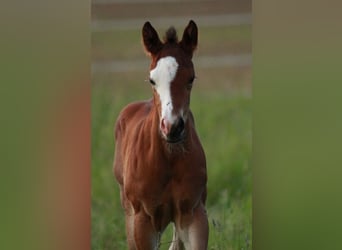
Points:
(152, 129)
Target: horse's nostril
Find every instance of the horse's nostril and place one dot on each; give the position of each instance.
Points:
(177, 129)
(181, 124)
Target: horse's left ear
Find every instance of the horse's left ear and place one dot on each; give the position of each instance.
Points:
(189, 39)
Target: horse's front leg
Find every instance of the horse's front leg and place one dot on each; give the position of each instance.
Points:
(145, 236)
(193, 229)
(176, 243)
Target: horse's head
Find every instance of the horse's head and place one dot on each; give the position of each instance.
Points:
(171, 75)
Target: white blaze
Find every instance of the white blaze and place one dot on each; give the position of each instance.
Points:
(163, 74)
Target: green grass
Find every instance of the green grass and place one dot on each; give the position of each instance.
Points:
(223, 119)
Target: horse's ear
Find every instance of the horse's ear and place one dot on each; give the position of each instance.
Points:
(151, 39)
(189, 39)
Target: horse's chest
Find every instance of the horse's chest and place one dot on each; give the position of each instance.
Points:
(148, 179)
(161, 182)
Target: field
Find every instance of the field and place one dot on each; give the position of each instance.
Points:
(221, 103)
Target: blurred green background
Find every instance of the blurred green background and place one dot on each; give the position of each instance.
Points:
(221, 103)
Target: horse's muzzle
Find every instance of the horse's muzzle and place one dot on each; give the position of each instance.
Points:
(174, 133)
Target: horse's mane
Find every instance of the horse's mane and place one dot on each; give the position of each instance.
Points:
(171, 36)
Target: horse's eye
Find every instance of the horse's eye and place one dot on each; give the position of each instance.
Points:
(152, 82)
(189, 85)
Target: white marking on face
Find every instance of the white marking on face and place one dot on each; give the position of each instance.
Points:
(163, 74)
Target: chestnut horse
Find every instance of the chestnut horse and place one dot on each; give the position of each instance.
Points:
(159, 162)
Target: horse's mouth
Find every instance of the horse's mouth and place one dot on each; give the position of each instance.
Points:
(175, 140)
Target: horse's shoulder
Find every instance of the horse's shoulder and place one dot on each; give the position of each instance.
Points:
(133, 108)
(133, 111)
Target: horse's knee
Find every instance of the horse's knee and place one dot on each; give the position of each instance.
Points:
(199, 229)
(130, 232)
(193, 229)
(144, 234)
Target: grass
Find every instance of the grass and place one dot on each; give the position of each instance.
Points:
(223, 120)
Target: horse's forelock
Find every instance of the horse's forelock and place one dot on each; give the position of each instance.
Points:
(171, 36)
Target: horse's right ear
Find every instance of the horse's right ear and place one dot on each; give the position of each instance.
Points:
(151, 39)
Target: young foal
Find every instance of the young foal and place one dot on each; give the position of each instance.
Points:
(159, 161)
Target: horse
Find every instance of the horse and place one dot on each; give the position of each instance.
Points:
(159, 162)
